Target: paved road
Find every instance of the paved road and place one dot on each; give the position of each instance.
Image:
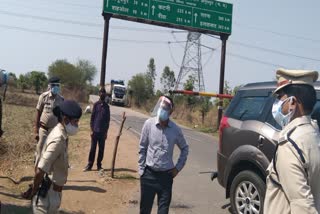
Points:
(193, 191)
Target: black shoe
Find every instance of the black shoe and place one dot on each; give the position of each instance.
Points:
(99, 168)
(87, 168)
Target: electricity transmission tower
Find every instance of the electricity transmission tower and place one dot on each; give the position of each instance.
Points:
(191, 64)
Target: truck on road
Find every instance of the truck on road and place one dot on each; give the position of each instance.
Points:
(116, 92)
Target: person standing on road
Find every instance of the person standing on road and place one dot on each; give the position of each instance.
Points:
(52, 170)
(99, 124)
(45, 119)
(156, 168)
(293, 176)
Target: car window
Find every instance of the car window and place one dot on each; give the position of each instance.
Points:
(316, 112)
(249, 108)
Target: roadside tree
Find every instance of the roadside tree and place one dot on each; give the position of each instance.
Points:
(141, 87)
(37, 80)
(151, 74)
(167, 79)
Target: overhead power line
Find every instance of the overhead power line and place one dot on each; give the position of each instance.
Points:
(273, 51)
(268, 49)
(254, 60)
(48, 9)
(235, 24)
(125, 40)
(279, 33)
(86, 37)
(244, 57)
(89, 24)
(65, 3)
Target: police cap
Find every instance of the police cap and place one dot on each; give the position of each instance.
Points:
(54, 80)
(288, 77)
(71, 109)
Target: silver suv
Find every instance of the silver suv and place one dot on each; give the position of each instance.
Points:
(247, 138)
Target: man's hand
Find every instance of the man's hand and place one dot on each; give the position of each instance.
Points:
(29, 193)
(174, 172)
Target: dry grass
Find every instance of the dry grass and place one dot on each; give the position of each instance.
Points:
(17, 144)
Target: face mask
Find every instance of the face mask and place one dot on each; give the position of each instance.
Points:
(163, 115)
(72, 130)
(280, 118)
(55, 90)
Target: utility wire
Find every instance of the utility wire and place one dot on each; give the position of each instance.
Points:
(273, 51)
(254, 60)
(279, 33)
(123, 40)
(49, 9)
(90, 24)
(64, 3)
(86, 37)
(236, 24)
(268, 50)
(172, 57)
(245, 58)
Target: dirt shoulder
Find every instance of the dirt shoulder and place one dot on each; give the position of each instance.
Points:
(85, 192)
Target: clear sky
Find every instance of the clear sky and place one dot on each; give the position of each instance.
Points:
(265, 35)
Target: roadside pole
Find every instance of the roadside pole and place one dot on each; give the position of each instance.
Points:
(224, 38)
(104, 48)
(115, 149)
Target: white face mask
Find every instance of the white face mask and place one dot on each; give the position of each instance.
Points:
(71, 130)
(280, 118)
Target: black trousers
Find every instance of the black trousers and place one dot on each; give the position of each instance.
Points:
(96, 138)
(152, 183)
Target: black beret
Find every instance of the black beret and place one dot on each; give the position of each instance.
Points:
(54, 80)
(71, 109)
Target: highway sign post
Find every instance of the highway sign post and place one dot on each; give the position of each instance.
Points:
(203, 16)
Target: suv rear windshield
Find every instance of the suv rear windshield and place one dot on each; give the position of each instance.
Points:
(249, 108)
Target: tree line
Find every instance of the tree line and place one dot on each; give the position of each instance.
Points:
(75, 78)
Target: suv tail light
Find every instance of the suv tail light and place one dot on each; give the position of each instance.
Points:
(223, 124)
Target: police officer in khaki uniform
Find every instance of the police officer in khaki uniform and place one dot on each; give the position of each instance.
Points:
(45, 120)
(52, 170)
(293, 184)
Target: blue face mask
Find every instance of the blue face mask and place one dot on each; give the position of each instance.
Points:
(163, 115)
(277, 114)
(55, 90)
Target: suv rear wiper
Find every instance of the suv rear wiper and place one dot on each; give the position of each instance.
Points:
(243, 113)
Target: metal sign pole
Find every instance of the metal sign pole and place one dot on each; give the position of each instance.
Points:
(104, 48)
(224, 38)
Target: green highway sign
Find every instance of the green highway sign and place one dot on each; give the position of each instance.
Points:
(208, 15)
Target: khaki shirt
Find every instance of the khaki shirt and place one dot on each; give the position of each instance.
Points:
(45, 105)
(300, 191)
(54, 159)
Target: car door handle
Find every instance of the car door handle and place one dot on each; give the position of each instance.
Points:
(260, 142)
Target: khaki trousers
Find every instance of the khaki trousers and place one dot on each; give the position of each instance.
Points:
(49, 205)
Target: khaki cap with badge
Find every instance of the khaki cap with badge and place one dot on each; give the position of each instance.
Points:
(287, 77)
